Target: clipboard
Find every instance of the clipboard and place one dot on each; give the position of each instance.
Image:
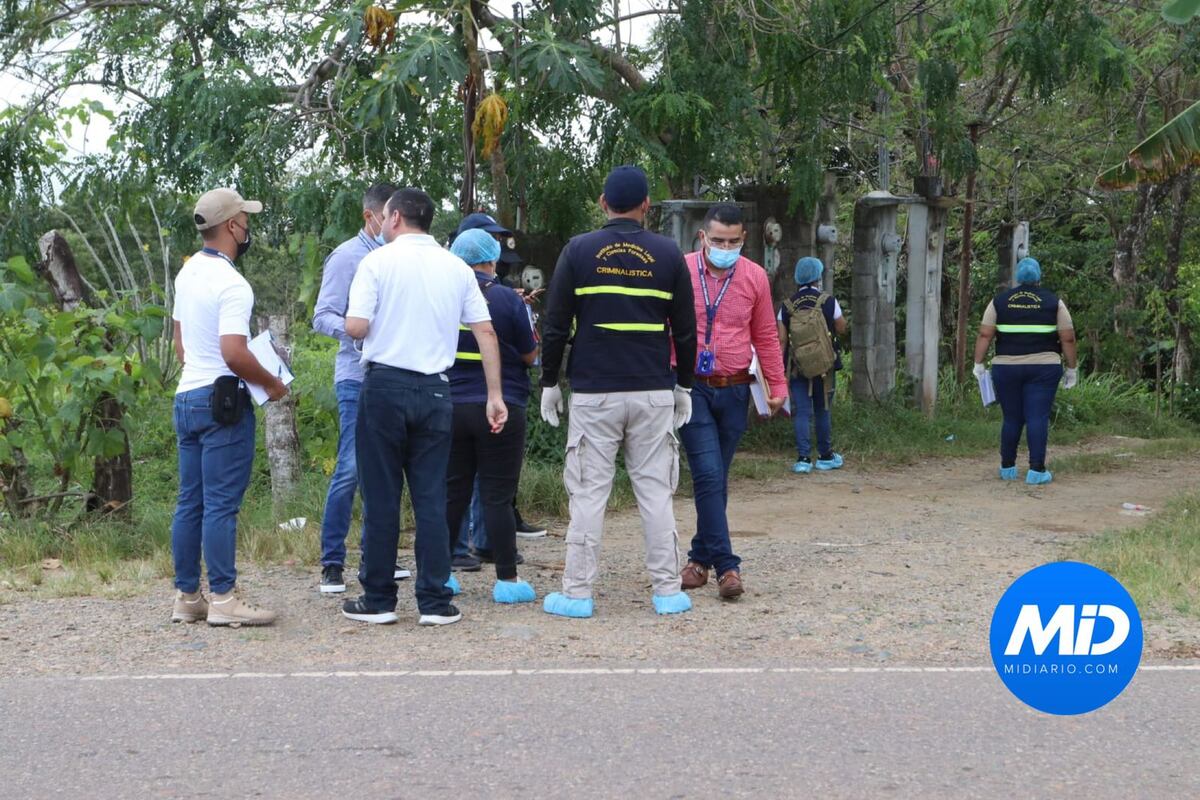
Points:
(262, 347)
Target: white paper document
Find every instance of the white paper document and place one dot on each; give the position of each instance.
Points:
(263, 348)
(987, 389)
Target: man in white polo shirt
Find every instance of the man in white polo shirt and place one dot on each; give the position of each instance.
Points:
(214, 418)
(407, 302)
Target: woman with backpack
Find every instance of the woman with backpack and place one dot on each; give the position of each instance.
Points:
(808, 322)
(474, 448)
(1034, 333)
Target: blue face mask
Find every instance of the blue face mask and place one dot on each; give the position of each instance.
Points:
(723, 259)
(379, 236)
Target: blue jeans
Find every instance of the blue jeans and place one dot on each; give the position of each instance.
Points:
(710, 440)
(214, 471)
(403, 432)
(339, 502)
(1026, 394)
(808, 411)
(472, 533)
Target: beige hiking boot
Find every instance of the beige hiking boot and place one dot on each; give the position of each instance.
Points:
(189, 607)
(230, 609)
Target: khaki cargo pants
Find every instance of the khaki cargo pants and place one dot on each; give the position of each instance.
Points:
(598, 425)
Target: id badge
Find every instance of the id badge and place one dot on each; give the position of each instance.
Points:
(706, 362)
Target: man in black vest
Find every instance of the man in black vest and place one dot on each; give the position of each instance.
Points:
(622, 295)
(1033, 331)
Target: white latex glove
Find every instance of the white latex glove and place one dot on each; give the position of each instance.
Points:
(978, 371)
(1070, 378)
(552, 404)
(683, 406)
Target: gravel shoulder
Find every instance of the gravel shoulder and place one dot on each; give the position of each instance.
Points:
(855, 567)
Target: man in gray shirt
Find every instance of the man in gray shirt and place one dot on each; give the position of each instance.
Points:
(330, 319)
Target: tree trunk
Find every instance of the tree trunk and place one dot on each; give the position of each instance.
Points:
(964, 276)
(14, 476)
(1182, 365)
(505, 212)
(471, 92)
(112, 479)
(1130, 241)
(282, 440)
(112, 476)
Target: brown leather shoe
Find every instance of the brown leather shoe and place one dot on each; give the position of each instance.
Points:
(694, 575)
(730, 584)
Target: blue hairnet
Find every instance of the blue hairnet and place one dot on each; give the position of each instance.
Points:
(475, 246)
(808, 270)
(1029, 271)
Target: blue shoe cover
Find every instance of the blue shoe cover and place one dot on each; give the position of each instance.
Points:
(563, 606)
(672, 603)
(453, 586)
(1008, 473)
(802, 467)
(1037, 478)
(513, 592)
(833, 463)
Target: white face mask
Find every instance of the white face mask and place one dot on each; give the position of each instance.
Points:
(532, 278)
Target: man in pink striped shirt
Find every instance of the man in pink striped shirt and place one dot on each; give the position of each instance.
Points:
(734, 313)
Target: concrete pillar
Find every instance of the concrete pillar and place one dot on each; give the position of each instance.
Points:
(1012, 244)
(873, 296)
(922, 332)
(826, 234)
(682, 219)
(774, 213)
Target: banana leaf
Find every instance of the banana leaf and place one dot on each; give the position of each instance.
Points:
(1169, 150)
(1180, 12)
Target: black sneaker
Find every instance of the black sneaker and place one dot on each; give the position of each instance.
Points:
(467, 563)
(331, 579)
(359, 610)
(486, 556)
(447, 617)
(527, 531)
(399, 573)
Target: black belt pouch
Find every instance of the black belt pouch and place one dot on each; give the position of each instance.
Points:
(229, 400)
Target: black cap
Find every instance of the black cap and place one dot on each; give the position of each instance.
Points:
(625, 188)
(484, 221)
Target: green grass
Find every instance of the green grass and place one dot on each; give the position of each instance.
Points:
(1125, 457)
(1159, 563)
(895, 432)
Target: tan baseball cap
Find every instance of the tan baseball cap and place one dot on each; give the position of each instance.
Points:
(219, 205)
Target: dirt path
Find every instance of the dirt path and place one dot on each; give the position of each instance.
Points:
(852, 567)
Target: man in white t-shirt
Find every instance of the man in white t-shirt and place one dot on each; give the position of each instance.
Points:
(214, 417)
(407, 301)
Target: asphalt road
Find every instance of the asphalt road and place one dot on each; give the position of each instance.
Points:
(575, 734)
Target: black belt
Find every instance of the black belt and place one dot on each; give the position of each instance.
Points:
(374, 365)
